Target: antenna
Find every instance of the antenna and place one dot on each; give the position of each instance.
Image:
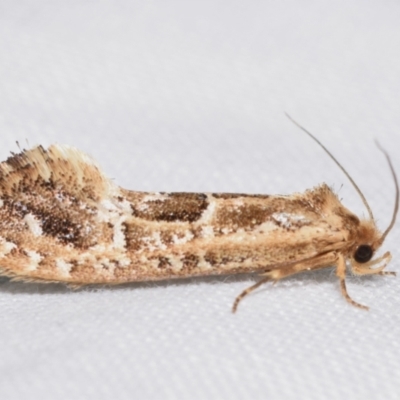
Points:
(396, 183)
(350, 178)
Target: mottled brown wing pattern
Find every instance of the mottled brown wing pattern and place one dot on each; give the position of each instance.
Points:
(62, 220)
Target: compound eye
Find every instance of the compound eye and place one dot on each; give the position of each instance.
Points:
(363, 253)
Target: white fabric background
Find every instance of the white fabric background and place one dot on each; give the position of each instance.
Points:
(190, 96)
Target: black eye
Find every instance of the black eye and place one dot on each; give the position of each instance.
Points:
(364, 253)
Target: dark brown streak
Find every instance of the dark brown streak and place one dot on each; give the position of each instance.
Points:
(185, 207)
(227, 196)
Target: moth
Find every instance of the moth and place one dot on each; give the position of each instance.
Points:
(63, 220)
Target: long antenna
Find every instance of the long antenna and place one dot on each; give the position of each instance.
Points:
(396, 183)
(347, 174)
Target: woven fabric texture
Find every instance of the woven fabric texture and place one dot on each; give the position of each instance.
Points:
(190, 96)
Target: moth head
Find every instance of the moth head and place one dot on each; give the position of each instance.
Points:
(368, 239)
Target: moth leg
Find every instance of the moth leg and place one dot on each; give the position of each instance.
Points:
(386, 273)
(341, 274)
(275, 274)
(383, 273)
(247, 291)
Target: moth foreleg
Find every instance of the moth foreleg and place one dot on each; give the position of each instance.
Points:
(341, 274)
(386, 273)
